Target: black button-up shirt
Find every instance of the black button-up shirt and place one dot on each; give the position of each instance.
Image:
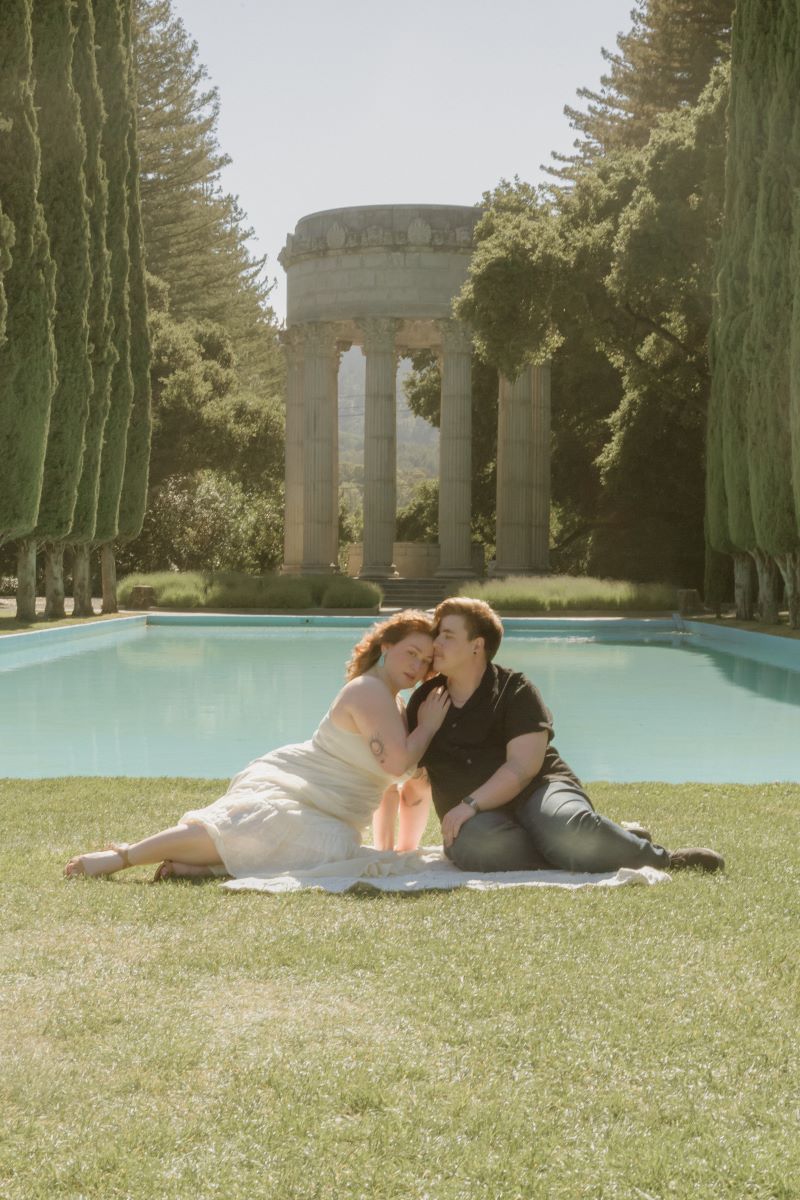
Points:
(471, 744)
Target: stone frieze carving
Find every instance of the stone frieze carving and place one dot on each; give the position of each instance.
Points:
(336, 236)
(338, 239)
(419, 232)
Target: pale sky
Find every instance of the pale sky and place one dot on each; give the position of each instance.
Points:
(326, 104)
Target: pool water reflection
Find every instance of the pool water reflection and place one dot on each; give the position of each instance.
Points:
(204, 701)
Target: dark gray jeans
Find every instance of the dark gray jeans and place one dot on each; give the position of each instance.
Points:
(555, 827)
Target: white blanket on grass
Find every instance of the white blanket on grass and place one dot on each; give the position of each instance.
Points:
(428, 870)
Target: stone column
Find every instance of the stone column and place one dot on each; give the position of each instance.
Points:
(514, 432)
(292, 342)
(335, 363)
(455, 452)
(523, 474)
(320, 465)
(540, 468)
(380, 447)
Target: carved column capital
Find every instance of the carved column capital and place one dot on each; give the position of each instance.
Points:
(320, 337)
(292, 340)
(456, 337)
(379, 334)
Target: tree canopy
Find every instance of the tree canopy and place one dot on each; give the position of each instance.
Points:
(610, 274)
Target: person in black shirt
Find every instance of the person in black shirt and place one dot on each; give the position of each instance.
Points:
(505, 798)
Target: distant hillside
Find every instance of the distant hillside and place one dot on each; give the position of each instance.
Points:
(417, 441)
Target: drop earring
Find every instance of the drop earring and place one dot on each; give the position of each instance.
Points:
(382, 660)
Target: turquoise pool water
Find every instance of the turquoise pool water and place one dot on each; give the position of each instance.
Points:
(203, 701)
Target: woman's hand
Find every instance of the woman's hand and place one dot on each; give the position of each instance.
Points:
(433, 710)
(453, 820)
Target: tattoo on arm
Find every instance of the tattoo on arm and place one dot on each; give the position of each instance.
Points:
(377, 747)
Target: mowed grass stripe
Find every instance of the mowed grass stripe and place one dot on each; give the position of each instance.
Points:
(177, 1041)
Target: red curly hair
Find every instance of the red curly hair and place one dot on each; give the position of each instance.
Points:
(393, 630)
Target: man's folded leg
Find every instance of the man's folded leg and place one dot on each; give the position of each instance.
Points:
(494, 841)
(563, 825)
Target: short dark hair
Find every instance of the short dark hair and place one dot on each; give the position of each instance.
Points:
(480, 619)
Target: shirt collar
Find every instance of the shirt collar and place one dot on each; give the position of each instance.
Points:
(486, 689)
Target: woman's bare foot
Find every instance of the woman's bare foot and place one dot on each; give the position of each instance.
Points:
(101, 862)
(178, 870)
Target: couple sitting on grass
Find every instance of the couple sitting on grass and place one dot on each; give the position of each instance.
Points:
(477, 735)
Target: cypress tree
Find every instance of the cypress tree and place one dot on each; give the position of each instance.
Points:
(27, 363)
(792, 569)
(6, 242)
(102, 353)
(27, 357)
(718, 541)
(63, 195)
(770, 54)
(111, 19)
(728, 514)
(134, 488)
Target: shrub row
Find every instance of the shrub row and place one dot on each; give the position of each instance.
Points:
(557, 593)
(230, 589)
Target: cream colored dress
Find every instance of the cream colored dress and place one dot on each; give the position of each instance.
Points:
(296, 807)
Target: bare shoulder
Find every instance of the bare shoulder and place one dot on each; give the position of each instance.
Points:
(365, 693)
(363, 685)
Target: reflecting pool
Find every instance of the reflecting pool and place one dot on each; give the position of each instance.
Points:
(202, 702)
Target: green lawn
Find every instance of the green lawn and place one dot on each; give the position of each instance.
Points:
(175, 1041)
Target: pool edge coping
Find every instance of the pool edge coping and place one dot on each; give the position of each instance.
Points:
(82, 629)
(722, 638)
(732, 637)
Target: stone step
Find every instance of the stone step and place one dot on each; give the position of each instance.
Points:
(414, 593)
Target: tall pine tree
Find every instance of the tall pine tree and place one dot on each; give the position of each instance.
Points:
(661, 64)
(63, 195)
(196, 235)
(27, 357)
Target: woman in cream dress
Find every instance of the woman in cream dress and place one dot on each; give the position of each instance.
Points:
(305, 805)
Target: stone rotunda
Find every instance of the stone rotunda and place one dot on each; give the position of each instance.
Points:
(384, 278)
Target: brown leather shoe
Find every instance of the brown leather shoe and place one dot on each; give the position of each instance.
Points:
(698, 857)
(638, 830)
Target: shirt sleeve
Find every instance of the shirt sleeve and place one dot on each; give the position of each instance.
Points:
(525, 710)
(414, 701)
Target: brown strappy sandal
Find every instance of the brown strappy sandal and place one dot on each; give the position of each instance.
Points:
(79, 868)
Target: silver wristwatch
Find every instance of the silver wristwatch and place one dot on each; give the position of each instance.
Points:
(472, 802)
